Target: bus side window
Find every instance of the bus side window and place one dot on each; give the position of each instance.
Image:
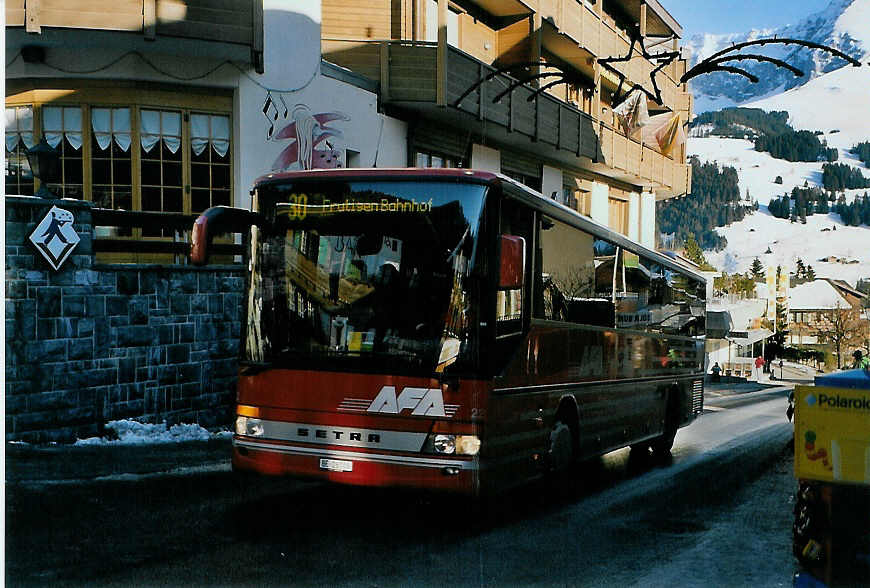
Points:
(566, 279)
(632, 299)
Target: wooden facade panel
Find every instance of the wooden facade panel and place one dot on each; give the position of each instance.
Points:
(180, 11)
(668, 172)
(570, 131)
(14, 13)
(357, 19)
(548, 120)
(523, 111)
(78, 19)
(477, 39)
(605, 138)
(228, 21)
(362, 58)
(498, 112)
(412, 73)
(199, 30)
(590, 143)
(592, 31)
(463, 73)
(514, 42)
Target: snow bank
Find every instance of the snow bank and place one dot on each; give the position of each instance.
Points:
(128, 432)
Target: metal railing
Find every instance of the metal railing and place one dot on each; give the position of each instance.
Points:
(108, 224)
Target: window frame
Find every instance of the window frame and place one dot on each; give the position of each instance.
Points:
(137, 96)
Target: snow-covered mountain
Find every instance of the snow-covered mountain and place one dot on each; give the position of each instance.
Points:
(823, 237)
(843, 25)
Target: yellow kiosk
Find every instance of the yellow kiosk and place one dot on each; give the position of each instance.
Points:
(832, 464)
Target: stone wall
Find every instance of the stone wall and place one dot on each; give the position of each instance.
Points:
(92, 343)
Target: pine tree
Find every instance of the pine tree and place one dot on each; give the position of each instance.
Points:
(801, 268)
(757, 269)
(693, 251)
(810, 273)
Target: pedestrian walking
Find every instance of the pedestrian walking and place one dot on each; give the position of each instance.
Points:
(759, 363)
(716, 370)
(859, 361)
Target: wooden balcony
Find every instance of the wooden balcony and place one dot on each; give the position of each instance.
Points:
(410, 76)
(237, 22)
(574, 30)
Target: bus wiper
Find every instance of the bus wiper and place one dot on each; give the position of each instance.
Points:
(459, 245)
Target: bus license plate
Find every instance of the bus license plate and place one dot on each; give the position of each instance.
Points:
(336, 465)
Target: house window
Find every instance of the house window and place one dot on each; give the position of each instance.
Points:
(62, 129)
(210, 161)
(158, 151)
(19, 138)
(161, 172)
(428, 159)
(111, 162)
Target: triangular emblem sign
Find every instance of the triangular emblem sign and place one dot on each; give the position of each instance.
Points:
(55, 237)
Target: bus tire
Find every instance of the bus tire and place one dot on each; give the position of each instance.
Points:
(661, 445)
(561, 451)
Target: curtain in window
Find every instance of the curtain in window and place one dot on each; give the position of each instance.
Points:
(111, 123)
(157, 124)
(19, 127)
(210, 128)
(59, 122)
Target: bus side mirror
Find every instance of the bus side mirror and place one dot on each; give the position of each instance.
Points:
(215, 221)
(512, 260)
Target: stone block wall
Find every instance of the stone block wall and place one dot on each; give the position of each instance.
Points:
(92, 343)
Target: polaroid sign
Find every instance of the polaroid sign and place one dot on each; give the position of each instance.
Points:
(55, 237)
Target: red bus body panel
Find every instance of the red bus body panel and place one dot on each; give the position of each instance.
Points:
(330, 402)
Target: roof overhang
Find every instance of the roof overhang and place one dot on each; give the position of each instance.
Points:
(659, 22)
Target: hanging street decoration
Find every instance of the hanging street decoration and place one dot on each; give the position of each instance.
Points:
(721, 61)
(54, 236)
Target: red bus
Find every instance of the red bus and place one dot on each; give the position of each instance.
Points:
(450, 329)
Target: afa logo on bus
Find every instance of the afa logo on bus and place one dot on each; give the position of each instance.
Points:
(420, 401)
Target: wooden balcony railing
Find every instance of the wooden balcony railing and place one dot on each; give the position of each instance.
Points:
(408, 72)
(226, 21)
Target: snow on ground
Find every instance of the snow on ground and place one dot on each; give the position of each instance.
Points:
(128, 432)
(752, 236)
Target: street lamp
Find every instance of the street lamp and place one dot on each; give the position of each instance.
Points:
(44, 162)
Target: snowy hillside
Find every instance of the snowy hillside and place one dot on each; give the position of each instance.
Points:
(843, 25)
(752, 236)
(839, 100)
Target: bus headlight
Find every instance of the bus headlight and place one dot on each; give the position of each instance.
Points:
(444, 444)
(467, 444)
(249, 427)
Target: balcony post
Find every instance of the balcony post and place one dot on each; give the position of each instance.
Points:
(441, 67)
(481, 91)
(384, 51)
(31, 17)
(642, 23)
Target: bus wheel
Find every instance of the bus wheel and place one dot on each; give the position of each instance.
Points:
(561, 451)
(661, 446)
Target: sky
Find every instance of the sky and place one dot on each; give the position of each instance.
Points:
(735, 16)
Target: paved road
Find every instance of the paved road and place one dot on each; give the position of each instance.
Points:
(610, 523)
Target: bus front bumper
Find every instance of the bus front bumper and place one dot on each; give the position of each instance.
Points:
(357, 468)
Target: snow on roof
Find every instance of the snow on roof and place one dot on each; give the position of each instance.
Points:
(819, 294)
(742, 311)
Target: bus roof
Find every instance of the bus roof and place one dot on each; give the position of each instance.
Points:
(515, 188)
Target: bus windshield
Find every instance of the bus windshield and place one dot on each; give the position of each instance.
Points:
(363, 275)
